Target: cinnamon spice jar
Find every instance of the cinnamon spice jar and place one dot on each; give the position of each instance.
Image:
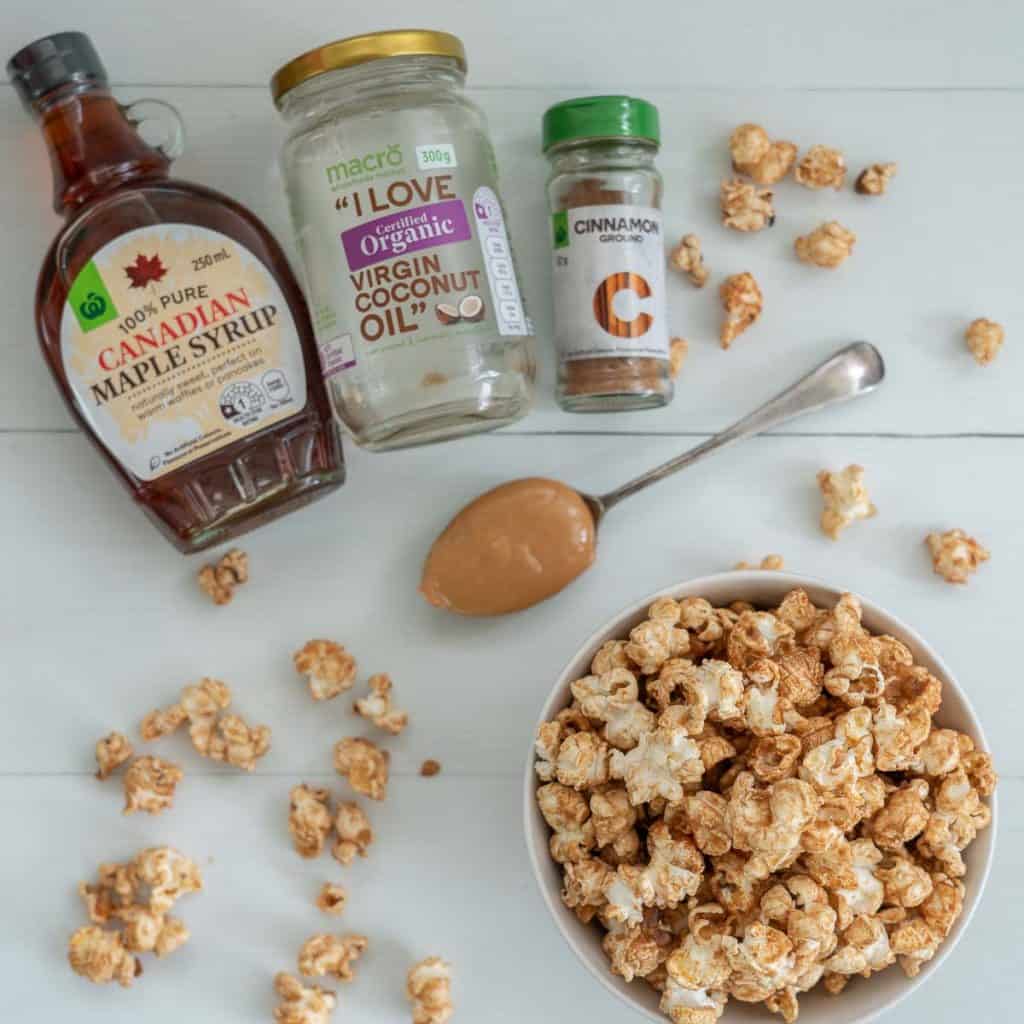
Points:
(611, 330)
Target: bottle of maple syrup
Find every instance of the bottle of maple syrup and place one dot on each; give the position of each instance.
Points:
(170, 318)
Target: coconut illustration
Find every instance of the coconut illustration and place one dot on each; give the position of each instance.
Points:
(472, 308)
(447, 314)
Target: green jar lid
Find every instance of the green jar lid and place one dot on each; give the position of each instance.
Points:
(600, 117)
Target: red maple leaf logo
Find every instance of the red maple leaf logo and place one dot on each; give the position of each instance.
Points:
(144, 270)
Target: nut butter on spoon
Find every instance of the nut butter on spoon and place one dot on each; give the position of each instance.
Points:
(526, 540)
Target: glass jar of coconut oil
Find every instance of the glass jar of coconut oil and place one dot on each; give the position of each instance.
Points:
(392, 186)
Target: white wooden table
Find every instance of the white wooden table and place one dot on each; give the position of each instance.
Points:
(100, 620)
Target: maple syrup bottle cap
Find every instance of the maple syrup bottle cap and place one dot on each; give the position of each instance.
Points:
(53, 61)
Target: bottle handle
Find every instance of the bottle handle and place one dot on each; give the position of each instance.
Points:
(144, 111)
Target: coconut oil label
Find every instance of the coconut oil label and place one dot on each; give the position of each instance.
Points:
(609, 282)
(404, 245)
(177, 341)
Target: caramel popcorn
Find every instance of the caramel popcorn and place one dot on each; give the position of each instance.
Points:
(784, 814)
(309, 820)
(327, 666)
(677, 352)
(743, 302)
(149, 785)
(821, 167)
(219, 580)
(355, 834)
(331, 954)
(111, 752)
(745, 207)
(754, 154)
(955, 555)
(688, 259)
(828, 245)
(846, 499)
(773, 563)
(332, 898)
(168, 874)
(428, 987)
(430, 768)
(984, 338)
(302, 1005)
(239, 744)
(874, 180)
(102, 957)
(365, 766)
(378, 707)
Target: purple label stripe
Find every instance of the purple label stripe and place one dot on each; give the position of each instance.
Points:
(424, 227)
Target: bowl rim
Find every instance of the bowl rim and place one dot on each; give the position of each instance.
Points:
(790, 581)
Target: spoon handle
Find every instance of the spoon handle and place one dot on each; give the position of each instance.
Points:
(854, 370)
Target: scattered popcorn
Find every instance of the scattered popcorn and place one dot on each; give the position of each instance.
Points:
(112, 752)
(101, 957)
(745, 207)
(220, 580)
(677, 351)
(955, 555)
(430, 768)
(365, 766)
(828, 245)
(239, 744)
(743, 303)
(688, 259)
(773, 563)
(202, 703)
(331, 954)
(160, 723)
(378, 707)
(785, 814)
(984, 338)
(355, 834)
(755, 155)
(149, 785)
(821, 167)
(309, 820)
(428, 987)
(846, 499)
(328, 667)
(874, 180)
(168, 874)
(332, 898)
(301, 1005)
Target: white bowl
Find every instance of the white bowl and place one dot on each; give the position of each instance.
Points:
(863, 1000)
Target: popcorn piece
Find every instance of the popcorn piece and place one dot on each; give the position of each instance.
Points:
(774, 563)
(743, 303)
(821, 167)
(828, 245)
(328, 667)
(677, 351)
(378, 707)
(584, 884)
(899, 735)
(428, 987)
(162, 723)
(116, 889)
(690, 1006)
(675, 869)
(903, 817)
(568, 815)
(839, 762)
(868, 892)
(773, 758)
(612, 815)
(755, 155)
(864, 949)
(331, 954)
(955, 555)
(101, 957)
(713, 690)
(219, 580)
(301, 1005)
(874, 179)
(954, 824)
(168, 874)
(984, 338)
(146, 932)
(654, 642)
(634, 951)
(239, 744)
(202, 703)
(846, 499)
(688, 259)
(582, 761)
(706, 820)
(855, 676)
(611, 655)
(906, 883)
(332, 898)
(745, 207)
(430, 768)
(612, 700)
(309, 820)
(365, 766)
(149, 785)
(111, 752)
(660, 764)
(355, 834)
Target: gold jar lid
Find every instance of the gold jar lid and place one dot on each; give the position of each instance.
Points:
(345, 53)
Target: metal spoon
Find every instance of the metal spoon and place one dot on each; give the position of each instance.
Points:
(854, 370)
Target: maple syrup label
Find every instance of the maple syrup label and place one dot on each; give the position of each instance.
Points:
(177, 341)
